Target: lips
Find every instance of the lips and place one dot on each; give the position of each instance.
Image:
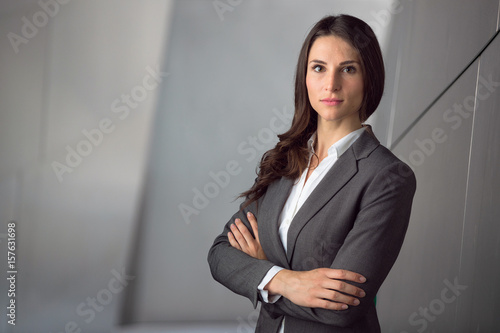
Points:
(331, 101)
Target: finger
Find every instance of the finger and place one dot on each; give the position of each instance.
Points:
(244, 231)
(343, 274)
(238, 236)
(233, 241)
(338, 297)
(253, 223)
(329, 305)
(334, 295)
(343, 287)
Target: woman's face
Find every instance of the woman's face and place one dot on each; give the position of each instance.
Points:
(334, 80)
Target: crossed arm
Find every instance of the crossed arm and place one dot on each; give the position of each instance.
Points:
(370, 249)
(319, 288)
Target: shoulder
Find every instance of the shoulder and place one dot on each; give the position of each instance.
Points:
(378, 162)
(381, 156)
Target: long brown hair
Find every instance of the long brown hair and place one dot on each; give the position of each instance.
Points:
(290, 156)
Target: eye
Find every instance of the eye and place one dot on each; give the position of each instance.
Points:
(318, 68)
(349, 69)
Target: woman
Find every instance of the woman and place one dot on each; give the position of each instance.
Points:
(325, 220)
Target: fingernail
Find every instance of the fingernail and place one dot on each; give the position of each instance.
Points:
(344, 306)
(362, 279)
(362, 294)
(249, 214)
(356, 302)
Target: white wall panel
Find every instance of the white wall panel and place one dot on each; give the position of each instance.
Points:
(498, 18)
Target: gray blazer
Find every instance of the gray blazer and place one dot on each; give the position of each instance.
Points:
(355, 219)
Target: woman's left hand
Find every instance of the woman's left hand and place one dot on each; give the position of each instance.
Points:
(241, 239)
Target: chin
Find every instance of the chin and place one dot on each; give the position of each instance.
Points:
(338, 116)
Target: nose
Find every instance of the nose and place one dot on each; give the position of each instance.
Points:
(333, 82)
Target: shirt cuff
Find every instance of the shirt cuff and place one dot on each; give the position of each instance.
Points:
(269, 276)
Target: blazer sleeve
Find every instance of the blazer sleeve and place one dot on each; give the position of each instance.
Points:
(235, 269)
(370, 248)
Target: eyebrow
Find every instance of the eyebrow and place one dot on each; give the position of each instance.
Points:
(347, 62)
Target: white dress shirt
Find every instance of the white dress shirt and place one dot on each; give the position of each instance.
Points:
(299, 194)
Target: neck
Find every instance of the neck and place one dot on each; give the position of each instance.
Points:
(329, 133)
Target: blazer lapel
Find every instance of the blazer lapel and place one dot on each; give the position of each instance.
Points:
(340, 173)
(269, 212)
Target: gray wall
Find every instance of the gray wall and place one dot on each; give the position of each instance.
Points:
(445, 278)
(436, 41)
(73, 232)
(203, 128)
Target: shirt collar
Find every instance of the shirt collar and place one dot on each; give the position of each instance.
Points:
(339, 147)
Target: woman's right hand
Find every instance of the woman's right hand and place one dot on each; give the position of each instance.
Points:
(318, 288)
